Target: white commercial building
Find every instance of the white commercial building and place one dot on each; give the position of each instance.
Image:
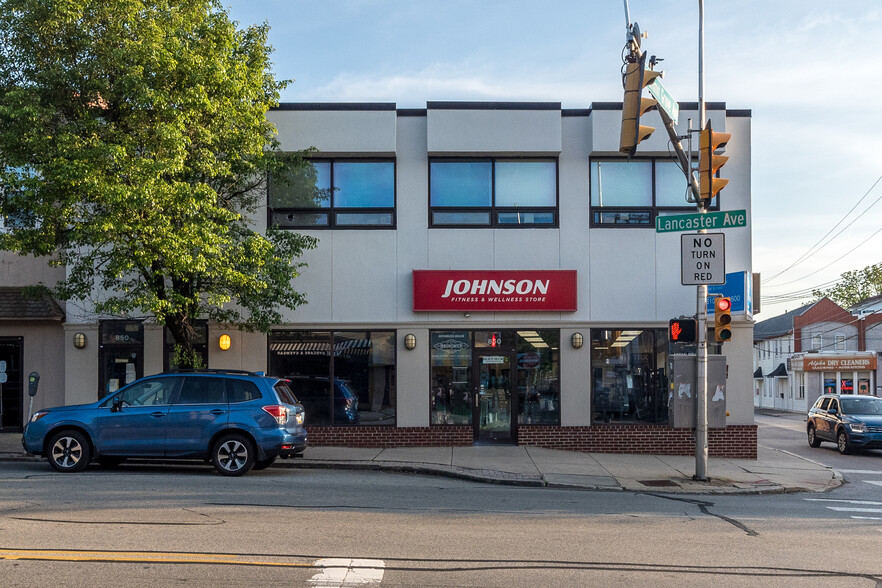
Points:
(486, 272)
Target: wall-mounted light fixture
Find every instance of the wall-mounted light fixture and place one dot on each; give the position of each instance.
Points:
(410, 341)
(79, 340)
(577, 340)
(224, 342)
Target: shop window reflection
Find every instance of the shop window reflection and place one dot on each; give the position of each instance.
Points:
(538, 377)
(629, 383)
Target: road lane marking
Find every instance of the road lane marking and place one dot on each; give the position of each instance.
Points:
(341, 572)
(871, 472)
(141, 557)
(850, 509)
(866, 502)
(874, 482)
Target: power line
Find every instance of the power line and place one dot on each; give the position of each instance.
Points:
(811, 251)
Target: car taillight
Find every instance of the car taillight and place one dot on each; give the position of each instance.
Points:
(278, 412)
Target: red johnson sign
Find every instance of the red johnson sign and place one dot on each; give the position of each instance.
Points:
(494, 290)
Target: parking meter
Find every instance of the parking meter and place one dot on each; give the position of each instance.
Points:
(33, 382)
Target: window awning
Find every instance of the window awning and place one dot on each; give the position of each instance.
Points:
(16, 306)
(758, 373)
(780, 372)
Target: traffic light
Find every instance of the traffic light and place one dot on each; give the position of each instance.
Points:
(722, 318)
(709, 164)
(682, 330)
(634, 106)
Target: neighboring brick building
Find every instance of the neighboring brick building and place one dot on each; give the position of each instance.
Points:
(816, 349)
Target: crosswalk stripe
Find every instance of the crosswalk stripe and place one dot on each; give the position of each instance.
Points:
(849, 509)
(865, 502)
(875, 482)
(867, 518)
(872, 472)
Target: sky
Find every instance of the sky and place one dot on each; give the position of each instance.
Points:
(806, 69)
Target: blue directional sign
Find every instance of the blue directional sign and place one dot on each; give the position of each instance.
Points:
(738, 287)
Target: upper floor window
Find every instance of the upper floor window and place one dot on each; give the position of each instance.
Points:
(339, 193)
(816, 342)
(633, 192)
(840, 342)
(493, 192)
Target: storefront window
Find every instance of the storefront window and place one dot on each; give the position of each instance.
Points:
(451, 359)
(538, 377)
(199, 342)
(629, 383)
(829, 383)
(360, 363)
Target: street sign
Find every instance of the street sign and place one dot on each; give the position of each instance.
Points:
(702, 259)
(665, 101)
(738, 288)
(2, 365)
(722, 219)
(3, 377)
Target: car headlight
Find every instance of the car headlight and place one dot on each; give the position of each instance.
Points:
(299, 418)
(38, 415)
(858, 427)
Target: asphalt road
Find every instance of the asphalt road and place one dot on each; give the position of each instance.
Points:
(151, 525)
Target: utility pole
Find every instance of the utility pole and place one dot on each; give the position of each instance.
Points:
(701, 297)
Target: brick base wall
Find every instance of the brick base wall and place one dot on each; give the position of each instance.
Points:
(737, 441)
(391, 436)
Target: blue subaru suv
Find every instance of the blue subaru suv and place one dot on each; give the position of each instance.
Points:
(237, 420)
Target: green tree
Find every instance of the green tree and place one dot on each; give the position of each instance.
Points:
(854, 286)
(135, 151)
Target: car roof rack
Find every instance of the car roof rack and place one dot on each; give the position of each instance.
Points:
(213, 371)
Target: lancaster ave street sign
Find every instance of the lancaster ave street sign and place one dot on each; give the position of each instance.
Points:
(703, 259)
(723, 219)
(665, 101)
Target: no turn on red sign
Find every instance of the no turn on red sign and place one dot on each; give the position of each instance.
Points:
(702, 259)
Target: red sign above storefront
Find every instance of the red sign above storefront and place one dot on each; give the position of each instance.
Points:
(494, 290)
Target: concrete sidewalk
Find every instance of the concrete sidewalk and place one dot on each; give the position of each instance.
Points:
(774, 471)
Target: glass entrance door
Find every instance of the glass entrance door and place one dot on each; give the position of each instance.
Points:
(492, 410)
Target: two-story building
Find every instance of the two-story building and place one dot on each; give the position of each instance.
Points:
(819, 348)
(486, 272)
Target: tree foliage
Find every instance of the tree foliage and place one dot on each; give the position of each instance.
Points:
(134, 151)
(854, 286)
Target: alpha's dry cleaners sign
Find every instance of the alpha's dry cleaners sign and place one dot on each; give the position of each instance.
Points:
(820, 364)
(494, 290)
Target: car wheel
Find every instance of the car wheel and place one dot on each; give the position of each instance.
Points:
(233, 455)
(812, 438)
(842, 443)
(69, 451)
(109, 462)
(262, 464)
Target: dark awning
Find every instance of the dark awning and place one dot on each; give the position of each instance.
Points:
(758, 373)
(16, 306)
(780, 372)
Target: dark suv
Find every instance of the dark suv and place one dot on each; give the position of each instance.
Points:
(237, 420)
(852, 422)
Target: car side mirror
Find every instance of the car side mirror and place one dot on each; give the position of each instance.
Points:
(833, 411)
(116, 405)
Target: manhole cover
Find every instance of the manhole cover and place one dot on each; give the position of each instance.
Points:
(659, 483)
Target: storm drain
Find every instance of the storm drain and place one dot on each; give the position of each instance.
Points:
(659, 483)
